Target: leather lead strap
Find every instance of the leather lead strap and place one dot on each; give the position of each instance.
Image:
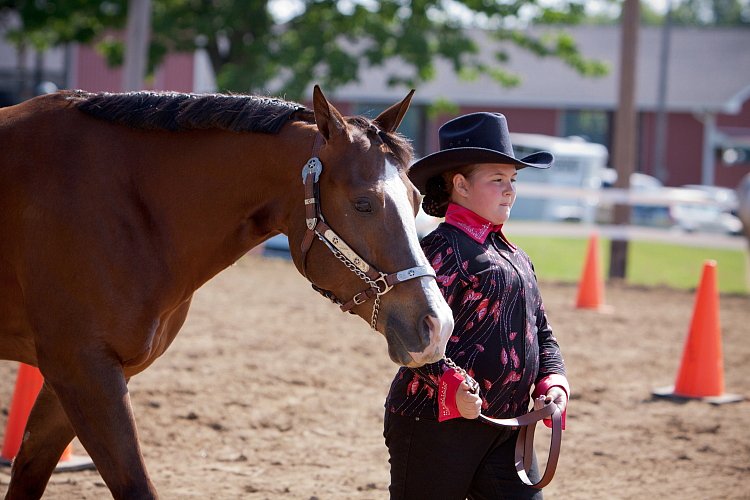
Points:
(525, 441)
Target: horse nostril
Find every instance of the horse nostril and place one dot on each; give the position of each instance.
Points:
(430, 324)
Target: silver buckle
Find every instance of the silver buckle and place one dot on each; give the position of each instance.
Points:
(357, 301)
(382, 284)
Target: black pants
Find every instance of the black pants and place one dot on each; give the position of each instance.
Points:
(453, 460)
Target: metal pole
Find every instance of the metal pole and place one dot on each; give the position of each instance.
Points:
(625, 130)
(708, 165)
(660, 136)
(136, 44)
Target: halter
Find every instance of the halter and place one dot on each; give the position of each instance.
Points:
(379, 282)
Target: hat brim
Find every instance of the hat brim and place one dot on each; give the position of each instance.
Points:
(437, 163)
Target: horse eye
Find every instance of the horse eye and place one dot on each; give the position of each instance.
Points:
(363, 206)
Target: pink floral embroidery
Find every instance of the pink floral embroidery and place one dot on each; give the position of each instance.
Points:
(446, 280)
(482, 309)
(471, 295)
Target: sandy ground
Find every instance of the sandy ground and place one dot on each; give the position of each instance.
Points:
(269, 392)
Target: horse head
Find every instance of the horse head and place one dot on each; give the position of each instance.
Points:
(359, 246)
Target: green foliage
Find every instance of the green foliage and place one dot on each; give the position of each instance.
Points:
(47, 23)
(255, 48)
(712, 13)
(725, 13)
(442, 106)
(113, 51)
(559, 45)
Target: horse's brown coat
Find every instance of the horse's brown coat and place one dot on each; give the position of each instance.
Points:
(108, 230)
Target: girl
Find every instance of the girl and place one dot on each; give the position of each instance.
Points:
(501, 335)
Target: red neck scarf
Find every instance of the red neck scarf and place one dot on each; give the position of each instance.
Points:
(474, 225)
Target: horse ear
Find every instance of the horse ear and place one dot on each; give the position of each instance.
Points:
(328, 119)
(390, 119)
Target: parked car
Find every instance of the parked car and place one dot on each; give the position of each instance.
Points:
(691, 208)
(277, 246)
(705, 218)
(726, 198)
(649, 215)
(652, 215)
(579, 164)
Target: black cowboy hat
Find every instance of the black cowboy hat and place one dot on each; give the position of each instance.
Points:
(474, 138)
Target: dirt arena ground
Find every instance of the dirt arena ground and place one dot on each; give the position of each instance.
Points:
(269, 392)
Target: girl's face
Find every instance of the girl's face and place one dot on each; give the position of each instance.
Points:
(489, 191)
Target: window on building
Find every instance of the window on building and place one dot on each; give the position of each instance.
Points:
(592, 125)
(413, 125)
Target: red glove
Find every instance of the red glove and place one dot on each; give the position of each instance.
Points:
(452, 385)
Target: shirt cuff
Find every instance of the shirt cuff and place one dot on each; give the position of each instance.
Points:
(545, 384)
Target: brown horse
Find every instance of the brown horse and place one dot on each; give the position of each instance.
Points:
(115, 208)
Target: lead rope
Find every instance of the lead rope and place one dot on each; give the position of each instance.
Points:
(526, 423)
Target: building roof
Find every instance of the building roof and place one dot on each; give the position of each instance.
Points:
(708, 70)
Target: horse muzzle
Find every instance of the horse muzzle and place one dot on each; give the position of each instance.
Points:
(424, 342)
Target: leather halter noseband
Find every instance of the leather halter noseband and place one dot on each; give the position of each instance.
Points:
(380, 282)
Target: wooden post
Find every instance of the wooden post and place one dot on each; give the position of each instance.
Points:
(625, 130)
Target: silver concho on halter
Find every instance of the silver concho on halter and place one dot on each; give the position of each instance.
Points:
(313, 166)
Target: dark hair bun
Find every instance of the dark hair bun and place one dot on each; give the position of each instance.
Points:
(435, 201)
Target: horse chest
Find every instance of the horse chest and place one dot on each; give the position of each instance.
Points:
(154, 341)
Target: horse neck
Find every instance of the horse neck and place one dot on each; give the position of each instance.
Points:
(236, 190)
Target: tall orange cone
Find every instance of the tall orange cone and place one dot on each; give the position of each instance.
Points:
(29, 382)
(591, 288)
(701, 372)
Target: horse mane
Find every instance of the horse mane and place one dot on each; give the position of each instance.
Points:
(399, 146)
(178, 111)
(238, 113)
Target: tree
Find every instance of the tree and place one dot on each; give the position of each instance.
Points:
(712, 13)
(724, 13)
(41, 24)
(283, 45)
(49, 23)
(252, 46)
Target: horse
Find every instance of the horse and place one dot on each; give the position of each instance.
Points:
(115, 208)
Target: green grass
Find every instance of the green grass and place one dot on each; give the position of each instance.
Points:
(651, 264)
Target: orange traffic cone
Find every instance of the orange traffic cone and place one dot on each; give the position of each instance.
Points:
(701, 372)
(591, 288)
(29, 382)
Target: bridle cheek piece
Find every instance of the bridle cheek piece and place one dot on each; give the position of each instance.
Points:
(379, 282)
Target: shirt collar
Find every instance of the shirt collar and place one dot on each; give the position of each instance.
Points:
(474, 225)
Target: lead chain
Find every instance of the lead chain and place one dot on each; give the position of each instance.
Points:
(353, 268)
(473, 384)
(375, 310)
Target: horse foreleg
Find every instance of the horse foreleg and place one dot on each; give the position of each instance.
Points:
(47, 433)
(95, 398)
